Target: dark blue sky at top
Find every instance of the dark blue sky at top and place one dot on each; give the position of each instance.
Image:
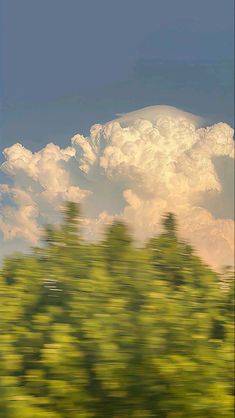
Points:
(66, 64)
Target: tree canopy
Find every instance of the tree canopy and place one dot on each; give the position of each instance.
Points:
(111, 330)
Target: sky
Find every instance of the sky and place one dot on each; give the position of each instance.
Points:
(63, 62)
(54, 48)
(67, 65)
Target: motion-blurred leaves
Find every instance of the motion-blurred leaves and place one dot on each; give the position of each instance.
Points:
(111, 330)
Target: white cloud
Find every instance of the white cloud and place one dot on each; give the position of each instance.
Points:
(136, 167)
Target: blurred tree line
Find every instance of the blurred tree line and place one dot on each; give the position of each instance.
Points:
(108, 330)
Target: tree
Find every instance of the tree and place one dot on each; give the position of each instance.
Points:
(110, 330)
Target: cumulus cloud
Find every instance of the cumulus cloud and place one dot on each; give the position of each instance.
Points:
(136, 167)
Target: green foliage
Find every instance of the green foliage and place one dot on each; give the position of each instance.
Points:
(169, 224)
(110, 330)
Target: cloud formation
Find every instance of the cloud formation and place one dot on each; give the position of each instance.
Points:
(136, 167)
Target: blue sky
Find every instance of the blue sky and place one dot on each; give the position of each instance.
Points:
(68, 64)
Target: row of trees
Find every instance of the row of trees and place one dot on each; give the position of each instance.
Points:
(109, 330)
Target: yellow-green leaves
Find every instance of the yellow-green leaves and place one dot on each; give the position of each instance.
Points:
(112, 331)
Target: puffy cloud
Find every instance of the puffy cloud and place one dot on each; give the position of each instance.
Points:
(41, 182)
(136, 167)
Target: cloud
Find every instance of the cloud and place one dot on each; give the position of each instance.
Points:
(136, 167)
